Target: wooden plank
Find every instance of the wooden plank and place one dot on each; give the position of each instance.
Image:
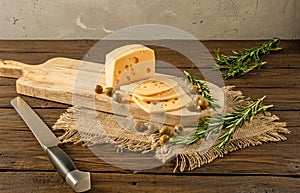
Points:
(104, 182)
(7, 81)
(15, 136)
(282, 98)
(9, 116)
(7, 93)
(39, 51)
(291, 46)
(284, 61)
(287, 60)
(264, 78)
(45, 46)
(254, 160)
(38, 58)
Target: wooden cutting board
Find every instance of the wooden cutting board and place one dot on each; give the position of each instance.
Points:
(73, 82)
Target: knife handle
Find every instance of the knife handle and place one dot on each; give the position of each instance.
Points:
(78, 180)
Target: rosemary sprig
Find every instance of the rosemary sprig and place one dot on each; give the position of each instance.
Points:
(235, 120)
(210, 124)
(203, 89)
(248, 59)
(230, 122)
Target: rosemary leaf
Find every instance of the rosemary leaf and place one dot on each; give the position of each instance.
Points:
(203, 89)
(240, 63)
(229, 122)
(235, 120)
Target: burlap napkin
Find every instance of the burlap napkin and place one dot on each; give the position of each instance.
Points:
(100, 127)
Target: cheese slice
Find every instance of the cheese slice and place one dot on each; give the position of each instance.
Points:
(163, 106)
(128, 64)
(166, 95)
(151, 86)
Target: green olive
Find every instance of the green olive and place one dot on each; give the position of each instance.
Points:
(99, 89)
(108, 91)
(117, 97)
(164, 139)
(203, 103)
(139, 126)
(194, 89)
(165, 130)
(151, 128)
(191, 106)
(178, 128)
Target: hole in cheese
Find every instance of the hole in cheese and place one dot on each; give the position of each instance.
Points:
(135, 60)
(148, 70)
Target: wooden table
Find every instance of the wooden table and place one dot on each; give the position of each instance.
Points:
(271, 167)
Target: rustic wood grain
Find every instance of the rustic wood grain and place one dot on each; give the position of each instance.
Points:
(36, 52)
(271, 167)
(251, 160)
(102, 182)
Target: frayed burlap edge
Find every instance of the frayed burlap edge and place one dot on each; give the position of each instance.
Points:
(191, 160)
(187, 159)
(67, 122)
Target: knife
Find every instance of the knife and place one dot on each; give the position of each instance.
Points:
(78, 180)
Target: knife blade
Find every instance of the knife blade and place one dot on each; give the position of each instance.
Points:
(78, 180)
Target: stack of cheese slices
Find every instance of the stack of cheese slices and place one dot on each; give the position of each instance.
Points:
(157, 94)
(131, 69)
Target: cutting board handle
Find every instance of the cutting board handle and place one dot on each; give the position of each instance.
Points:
(11, 68)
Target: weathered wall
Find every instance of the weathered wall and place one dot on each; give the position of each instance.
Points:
(205, 19)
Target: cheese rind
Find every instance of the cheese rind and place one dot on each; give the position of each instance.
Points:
(166, 95)
(128, 64)
(151, 86)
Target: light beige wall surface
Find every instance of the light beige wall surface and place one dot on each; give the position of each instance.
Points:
(94, 19)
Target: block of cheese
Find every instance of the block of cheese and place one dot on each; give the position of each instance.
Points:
(151, 86)
(163, 106)
(166, 95)
(128, 64)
